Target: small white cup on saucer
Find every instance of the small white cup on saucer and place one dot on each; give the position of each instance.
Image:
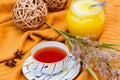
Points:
(49, 68)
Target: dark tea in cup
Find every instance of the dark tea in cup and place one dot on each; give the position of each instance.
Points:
(50, 54)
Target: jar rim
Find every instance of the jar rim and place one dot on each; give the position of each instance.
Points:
(76, 4)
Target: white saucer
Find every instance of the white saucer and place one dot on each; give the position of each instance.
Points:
(69, 73)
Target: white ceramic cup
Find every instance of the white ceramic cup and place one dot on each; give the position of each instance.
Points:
(49, 68)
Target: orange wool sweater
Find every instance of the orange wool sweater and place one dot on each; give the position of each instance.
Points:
(12, 38)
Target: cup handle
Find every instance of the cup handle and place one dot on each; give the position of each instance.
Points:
(70, 56)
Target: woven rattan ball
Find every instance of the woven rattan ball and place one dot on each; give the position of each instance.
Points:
(55, 5)
(29, 14)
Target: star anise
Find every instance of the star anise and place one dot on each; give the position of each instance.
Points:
(10, 63)
(18, 54)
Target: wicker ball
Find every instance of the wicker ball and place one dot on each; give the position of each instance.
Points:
(29, 14)
(55, 5)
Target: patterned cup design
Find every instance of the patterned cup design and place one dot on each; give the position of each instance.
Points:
(49, 68)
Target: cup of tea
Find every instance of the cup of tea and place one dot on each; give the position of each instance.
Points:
(49, 57)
